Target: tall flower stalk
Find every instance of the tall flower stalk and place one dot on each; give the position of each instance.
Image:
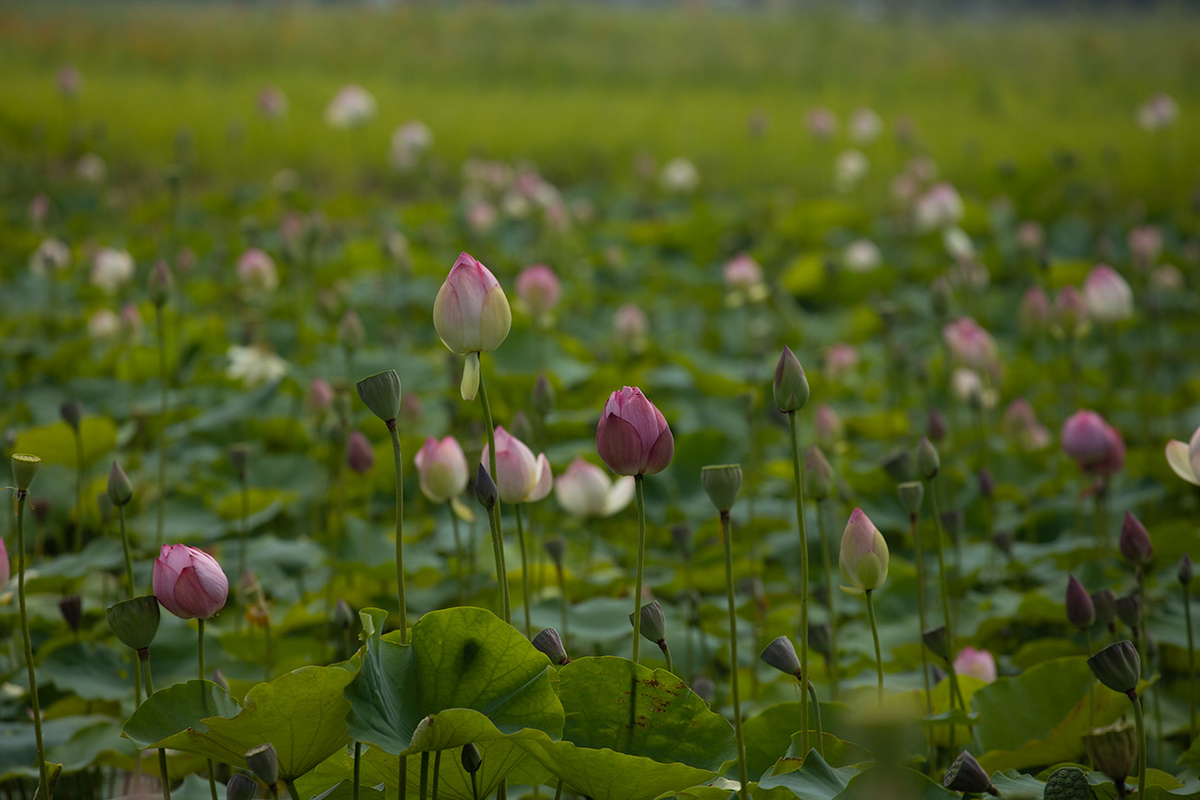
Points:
(928, 465)
(791, 394)
(24, 468)
(864, 564)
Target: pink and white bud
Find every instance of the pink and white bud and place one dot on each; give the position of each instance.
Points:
(863, 558)
(320, 396)
(52, 255)
(351, 107)
(539, 290)
(630, 327)
(742, 273)
(256, 270)
(586, 491)
(442, 469)
(189, 582)
(520, 477)
(111, 269)
(938, 208)
(1145, 245)
(1106, 295)
(976, 663)
(1094, 444)
(471, 312)
(971, 345)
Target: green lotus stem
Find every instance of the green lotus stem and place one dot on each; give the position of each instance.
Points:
(78, 489)
(290, 783)
(459, 556)
(1140, 721)
(494, 513)
(875, 636)
(357, 766)
(562, 599)
(916, 537)
(437, 769)
(1087, 634)
(212, 779)
(162, 434)
(22, 496)
(812, 695)
(475, 787)
(832, 661)
(557, 792)
(1187, 615)
(524, 571)
(798, 477)
(945, 591)
(667, 654)
(391, 425)
(125, 545)
(424, 774)
(144, 660)
(641, 556)
(726, 534)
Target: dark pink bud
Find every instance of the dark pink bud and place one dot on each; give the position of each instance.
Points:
(1135, 542)
(1081, 612)
(633, 437)
(359, 455)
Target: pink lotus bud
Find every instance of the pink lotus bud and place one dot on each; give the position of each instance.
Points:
(821, 123)
(1184, 459)
(360, 457)
(864, 555)
(1095, 445)
(520, 477)
(272, 102)
(1157, 113)
(539, 289)
(189, 582)
(1070, 311)
(442, 469)
(256, 271)
(633, 437)
(827, 426)
(1034, 314)
(1081, 611)
(630, 326)
(742, 273)
(585, 490)
(1031, 237)
(68, 80)
(840, 360)
(471, 313)
(131, 321)
(971, 345)
(940, 207)
(111, 269)
(1145, 245)
(976, 663)
(1134, 543)
(865, 126)
(320, 396)
(1106, 295)
(39, 209)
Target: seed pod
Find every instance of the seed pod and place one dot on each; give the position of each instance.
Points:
(1113, 750)
(550, 643)
(781, 654)
(654, 622)
(1068, 783)
(722, 483)
(264, 763)
(966, 775)
(135, 622)
(899, 466)
(1117, 666)
(935, 639)
(912, 493)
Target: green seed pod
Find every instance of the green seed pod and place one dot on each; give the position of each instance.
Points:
(911, 494)
(72, 414)
(25, 467)
(654, 622)
(264, 763)
(381, 394)
(722, 484)
(240, 788)
(71, 608)
(1118, 667)
(550, 643)
(1113, 750)
(120, 488)
(135, 622)
(1068, 783)
(781, 654)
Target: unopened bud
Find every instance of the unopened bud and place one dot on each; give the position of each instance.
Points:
(264, 763)
(987, 484)
(120, 489)
(239, 458)
(485, 488)
(790, 385)
(471, 759)
(350, 331)
(159, 285)
(556, 549)
(1081, 611)
(71, 608)
(899, 466)
(1129, 610)
(818, 474)
(72, 414)
(1135, 542)
(542, 398)
(1185, 569)
(935, 426)
(1105, 603)
(928, 462)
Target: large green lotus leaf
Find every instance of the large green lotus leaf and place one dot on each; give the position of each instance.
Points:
(1039, 717)
(55, 443)
(815, 780)
(94, 672)
(182, 707)
(837, 752)
(302, 713)
(632, 733)
(346, 791)
(459, 658)
(502, 758)
(891, 782)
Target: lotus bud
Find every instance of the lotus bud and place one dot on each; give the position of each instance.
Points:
(239, 459)
(485, 488)
(828, 429)
(120, 489)
(350, 331)
(359, 455)
(104, 505)
(820, 638)
(987, 484)
(952, 521)
(781, 654)
(556, 549)
(911, 494)
(966, 775)
(542, 397)
(320, 396)
(1105, 603)
(935, 425)
(240, 788)
(134, 622)
(976, 663)
(937, 641)
(343, 615)
(633, 437)
(864, 554)
(442, 469)
(898, 466)
(654, 623)
(24, 467)
(159, 285)
(1068, 783)
(218, 678)
(818, 474)
(1113, 750)
(71, 608)
(1135, 542)
(471, 759)
(722, 484)
(381, 394)
(264, 763)
(549, 643)
(1185, 569)
(1081, 611)
(928, 462)
(1118, 667)
(189, 582)
(790, 385)
(1129, 610)
(471, 312)
(72, 414)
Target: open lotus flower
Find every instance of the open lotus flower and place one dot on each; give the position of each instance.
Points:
(520, 477)
(1184, 459)
(189, 582)
(584, 490)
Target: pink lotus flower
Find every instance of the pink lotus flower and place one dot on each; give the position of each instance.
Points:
(1031, 236)
(69, 80)
(630, 326)
(272, 102)
(1184, 459)
(633, 437)
(1034, 313)
(320, 396)
(1094, 444)
(840, 360)
(940, 207)
(471, 312)
(827, 426)
(822, 123)
(1106, 295)
(1145, 245)
(742, 273)
(976, 663)
(539, 289)
(256, 271)
(520, 477)
(584, 490)
(360, 457)
(189, 582)
(864, 556)
(442, 469)
(971, 345)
